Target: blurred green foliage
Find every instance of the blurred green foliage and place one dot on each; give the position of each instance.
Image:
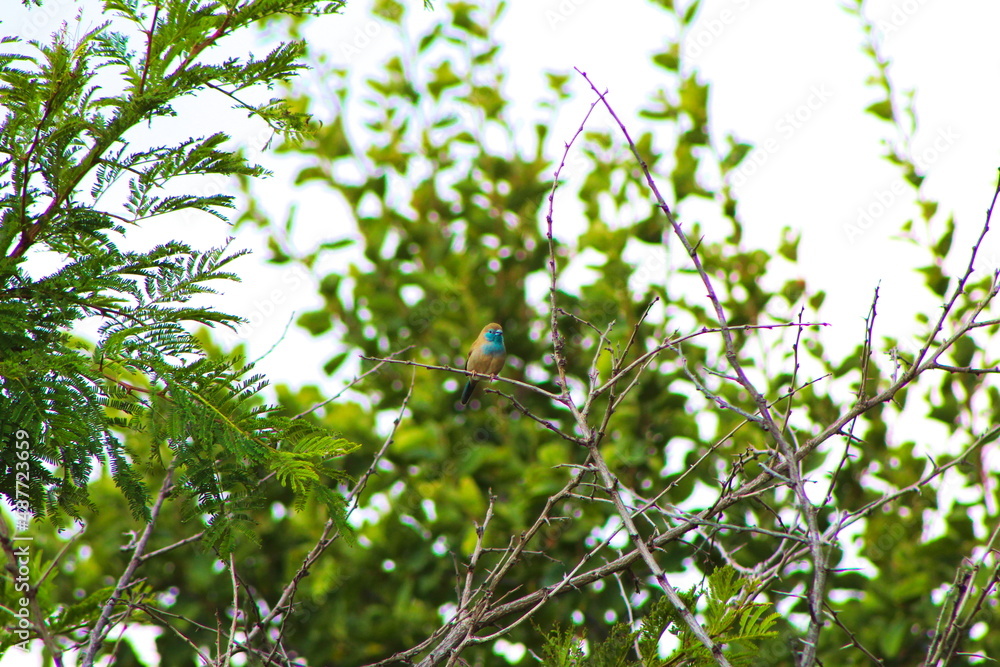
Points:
(448, 210)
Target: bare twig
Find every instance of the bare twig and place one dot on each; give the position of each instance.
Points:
(353, 382)
(101, 628)
(329, 535)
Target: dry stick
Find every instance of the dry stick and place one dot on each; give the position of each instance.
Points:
(466, 595)
(631, 616)
(884, 396)
(795, 374)
(603, 571)
(556, 589)
(763, 571)
(101, 628)
(673, 342)
(593, 436)
(536, 599)
(854, 640)
(350, 384)
(163, 616)
(965, 369)
(917, 368)
(712, 396)
(164, 619)
(718, 444)
(231, 643)
(720, 314)
(474, 560)
(981, 601)
(603, 344)
(175, 545)
(718, 525)
(635, 332)
(543, 519)
(960, 288)
(807, 510)
(946, 640)
(355, 493)
(937, 470)
(818, 550)
(547, 424)
(557, 340)
(611, 487)
(326, 538)
(117, 642)
(593, 394)
(866, 358)
(462, 371)
(461, 634)
(866, 353)
(533, 601)
(59, 556)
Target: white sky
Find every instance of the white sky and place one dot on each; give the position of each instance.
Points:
(765, 59)
(770, 59)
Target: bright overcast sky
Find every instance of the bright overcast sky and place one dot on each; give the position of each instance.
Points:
(786, 75)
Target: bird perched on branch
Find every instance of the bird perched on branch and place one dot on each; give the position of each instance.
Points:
(487, 357)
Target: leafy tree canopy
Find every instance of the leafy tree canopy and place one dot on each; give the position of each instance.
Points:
(673, 418)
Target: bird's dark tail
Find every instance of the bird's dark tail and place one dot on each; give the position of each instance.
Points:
(467, 394)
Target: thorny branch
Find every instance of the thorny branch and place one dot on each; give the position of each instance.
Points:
(481, 608)
(481, 603)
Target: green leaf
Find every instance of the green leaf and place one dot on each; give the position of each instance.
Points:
(882, 110)
(943, 244)
(935, 279)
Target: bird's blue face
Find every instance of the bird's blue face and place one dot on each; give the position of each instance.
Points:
(493, 345)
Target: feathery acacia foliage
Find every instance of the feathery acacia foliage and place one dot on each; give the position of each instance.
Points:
(147, 400)
(72, 184)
